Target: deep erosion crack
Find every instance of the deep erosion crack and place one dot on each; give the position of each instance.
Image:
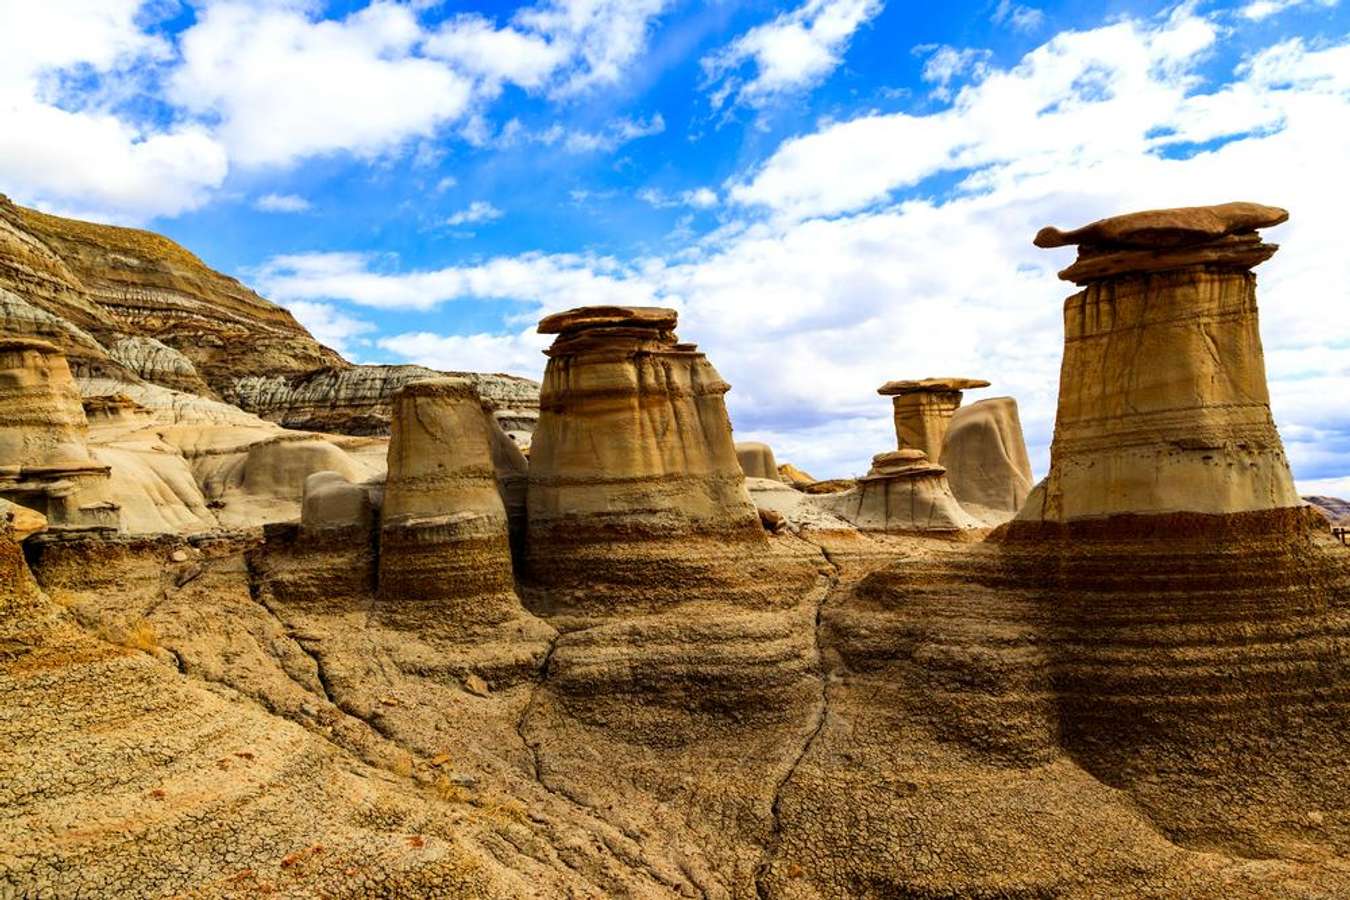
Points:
(818, 725)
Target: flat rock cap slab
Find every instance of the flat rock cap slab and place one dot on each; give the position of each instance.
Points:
(898, 457)
(930, 386)
(1159, 228)
(657, 318)
(439, 387)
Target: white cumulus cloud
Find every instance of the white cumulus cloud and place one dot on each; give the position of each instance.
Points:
(796, 50)
(806, 311)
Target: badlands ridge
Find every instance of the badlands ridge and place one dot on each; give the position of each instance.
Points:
(273, 624)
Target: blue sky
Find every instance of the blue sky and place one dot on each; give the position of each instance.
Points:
(834, 193)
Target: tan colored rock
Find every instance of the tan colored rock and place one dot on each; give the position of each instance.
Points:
(903, 493)
(924, 408)
(830, 486)
(1163, 404)
(20, 522)
(116, 282)
(756, 459)
(42, 420)
(1165, 228)
(333, 502)
(985, 456)
(45, 462)
(445, 556)
(632, 468)
(790, 474)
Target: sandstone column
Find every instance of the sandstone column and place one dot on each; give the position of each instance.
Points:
(757, 460)
(1163, 404)
(924, 409)
(634, 480)
(445, 559)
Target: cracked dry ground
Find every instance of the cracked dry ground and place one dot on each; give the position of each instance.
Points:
(897, 717)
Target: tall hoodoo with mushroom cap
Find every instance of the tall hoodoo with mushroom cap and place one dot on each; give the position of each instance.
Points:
(924, 410)
(632, 468)
(1163, 404)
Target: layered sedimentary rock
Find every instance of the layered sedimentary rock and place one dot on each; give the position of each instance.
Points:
(633, 451)
(159, 363)
(445, 555)
(756, 459)
(114, 280)
(357, 399)
(985, 456)
(924, 408)
(44, 455)
(1163, 404)
(1336, 510)
(903, 493)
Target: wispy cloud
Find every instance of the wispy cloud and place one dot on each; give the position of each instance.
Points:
(476, 213)
(283, 203)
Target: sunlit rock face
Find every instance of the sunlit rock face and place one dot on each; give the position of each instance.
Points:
(445, 556)
(1163, 404)
(634, 478)
(986, 459)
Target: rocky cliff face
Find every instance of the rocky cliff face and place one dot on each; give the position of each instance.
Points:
(132, 306)
(356, 399)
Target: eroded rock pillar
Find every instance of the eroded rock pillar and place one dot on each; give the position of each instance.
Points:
(445, 558)
(903, 493)
(634, 480)
(924, 410)
(1163, 404)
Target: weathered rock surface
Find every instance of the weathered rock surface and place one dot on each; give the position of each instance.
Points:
(756, 459)
(1163, 403)
(128, 306)
(1335, 509)
(445, 553)
(20, 522)
(903, 493)
(985, 456)
(45, 463)
(632, 467)
(790, 474)
(113, 281)
(357, 399)
(1148, 704)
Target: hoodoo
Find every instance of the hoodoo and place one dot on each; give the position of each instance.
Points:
(44, 460)
(903, 493)
(924, 409)
(445, 557)
(1163, 404)
(632, 465)
(757, 460)
(985, 455)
